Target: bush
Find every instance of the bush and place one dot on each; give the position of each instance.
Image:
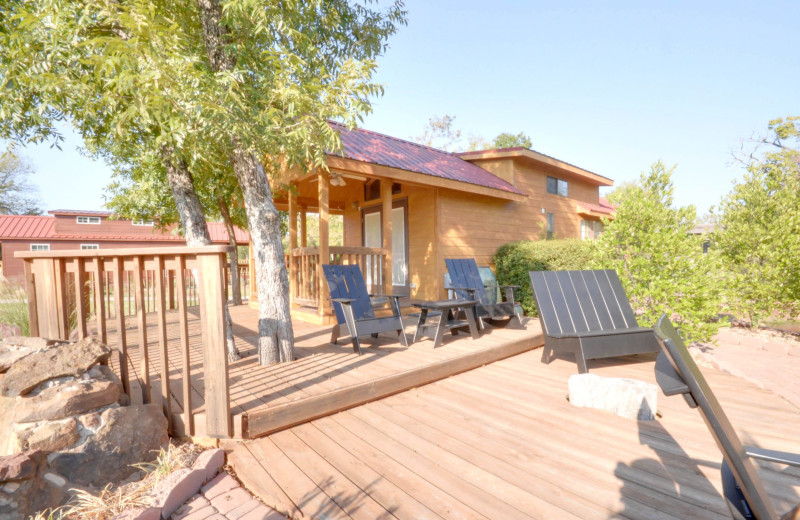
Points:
(513, 261)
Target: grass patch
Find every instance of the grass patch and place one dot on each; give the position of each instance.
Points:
(14, 308)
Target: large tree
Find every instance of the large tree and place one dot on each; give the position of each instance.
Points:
(759, 227)
(183, 80)
(17, 195)
(661, 266)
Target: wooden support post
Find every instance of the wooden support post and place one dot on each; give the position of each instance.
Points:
(215, 359)
(251, 260)
(46, 305)
(324, 250)
(386, 199)
(62, 301)
(292, 244)
(99, 299)
(303, 226)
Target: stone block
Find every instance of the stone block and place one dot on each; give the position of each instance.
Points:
(628, 398)
(172, 492)
(20, 466)
(211, 462)
(222, 483)
(140, 513)
(64, 400)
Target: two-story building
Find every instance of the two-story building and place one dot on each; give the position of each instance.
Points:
(76, 230)
(406, 207)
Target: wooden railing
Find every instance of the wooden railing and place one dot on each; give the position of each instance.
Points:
(71, 292)
(305, 286)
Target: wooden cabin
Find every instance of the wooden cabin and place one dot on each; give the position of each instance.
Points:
(442, 205)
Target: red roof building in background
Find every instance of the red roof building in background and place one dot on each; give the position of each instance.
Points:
(76, 230)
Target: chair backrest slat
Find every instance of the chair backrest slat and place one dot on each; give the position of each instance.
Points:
(604, 320)
(572, 302)
(622, 302)
(346, 281)
(743, 469)
(585, 302)
(544, 302)
(464, 273)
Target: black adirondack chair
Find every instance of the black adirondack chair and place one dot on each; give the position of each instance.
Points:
(351, 303)
(586, 313)
(467, 285)
(677, 373)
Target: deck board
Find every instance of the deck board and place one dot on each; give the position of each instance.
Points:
(502, 441)
(324, 378)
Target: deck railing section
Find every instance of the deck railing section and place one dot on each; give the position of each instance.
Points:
(73, 292)
(305, 286)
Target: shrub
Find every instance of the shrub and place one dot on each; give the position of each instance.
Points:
(514, 260)
(13, 309)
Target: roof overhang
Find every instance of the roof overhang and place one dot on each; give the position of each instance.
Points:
(526, 155)
(421, 179)
(590, 210)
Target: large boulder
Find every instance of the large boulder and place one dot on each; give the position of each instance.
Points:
(17, 347)
(47, 436)
(73, 397)
(117, 438)
(72, 359)
(25, 487)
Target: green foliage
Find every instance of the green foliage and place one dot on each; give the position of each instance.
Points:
(515, 259)
(14, 307)
(506, 140)
(759, 229)
(662, 267)
(616, 195)
(17, 196)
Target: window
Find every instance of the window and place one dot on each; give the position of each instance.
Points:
(372, 189)
(598, 228)
(90, 246)
(142, 222)
(557, 186)
(591, 229)
(40, 247)
(88, 220)
(551, 226)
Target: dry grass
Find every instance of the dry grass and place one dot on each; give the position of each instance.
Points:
(113, 500)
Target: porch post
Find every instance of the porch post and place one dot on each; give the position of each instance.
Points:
(303, 227)
(386, 198)
(251, 266)
(324, 256)
(292, 243)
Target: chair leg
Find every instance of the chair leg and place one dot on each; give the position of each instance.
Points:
(335, 333)
(350, 319)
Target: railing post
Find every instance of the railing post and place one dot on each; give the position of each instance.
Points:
(215, 360)
(30, 287)
(47, 305)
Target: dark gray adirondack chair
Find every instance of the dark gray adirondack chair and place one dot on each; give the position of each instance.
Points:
(677, 373)
(586, 313)
(467, 285)
(353, 308)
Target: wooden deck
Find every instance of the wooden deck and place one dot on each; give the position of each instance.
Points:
(502, 442)
(324, 379)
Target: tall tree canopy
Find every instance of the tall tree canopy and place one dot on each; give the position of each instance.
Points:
(759, 227)
(17, 195)
(441, 133)
(186, 83)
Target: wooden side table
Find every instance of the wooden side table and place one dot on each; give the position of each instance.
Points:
(447, 310)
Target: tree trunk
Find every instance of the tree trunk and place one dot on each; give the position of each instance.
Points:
(276, 338)
(235, 281)
(193, 221)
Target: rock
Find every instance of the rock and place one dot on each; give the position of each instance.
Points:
(210, 461)
(13, 351)
(175, 489)
(124, 436)
(31, 342)
(64, 400)
(627, 398)
(72, 359)
(49, 436)
(20, 466)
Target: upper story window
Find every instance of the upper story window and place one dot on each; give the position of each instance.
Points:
(88, 220)
(90, 246)
(40, 247)
(557, 186)
(372, 189)
(143, 222)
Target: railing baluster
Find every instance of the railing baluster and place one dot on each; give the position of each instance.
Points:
(80, 295)
(161, 316)
(142, 322)
(186, 362)
(30, 288)
(100, 316)
(61, 298)
(119, 305)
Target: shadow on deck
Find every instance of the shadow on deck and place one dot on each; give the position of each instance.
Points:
(323, 379)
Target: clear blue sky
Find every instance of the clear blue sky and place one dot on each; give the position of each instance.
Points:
(608, 86)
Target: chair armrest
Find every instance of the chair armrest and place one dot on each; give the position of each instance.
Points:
(470, 289)
(599, 333)
(343, 300)
(508, 290)
(380, 295)
(511, 286)
(782, 457)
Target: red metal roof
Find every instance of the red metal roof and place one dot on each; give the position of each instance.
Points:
(604, 207)
(372, 147)
(80, 212)
(26, 227)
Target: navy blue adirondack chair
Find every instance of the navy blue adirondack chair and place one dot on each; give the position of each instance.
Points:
(677, 373)
(354, 314)
(467, 285)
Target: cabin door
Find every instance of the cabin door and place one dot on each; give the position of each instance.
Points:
(373, 237)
